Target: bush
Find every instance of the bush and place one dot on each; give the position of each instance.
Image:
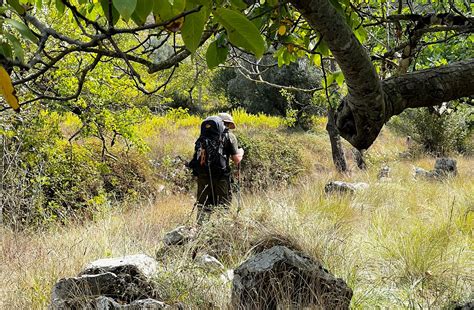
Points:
(269, 160)
(48, 179)
(128, 177)
(437, 133)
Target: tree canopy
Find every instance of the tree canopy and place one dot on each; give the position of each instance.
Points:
(392, 55)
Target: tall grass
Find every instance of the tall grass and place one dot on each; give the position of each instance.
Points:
(400, 244)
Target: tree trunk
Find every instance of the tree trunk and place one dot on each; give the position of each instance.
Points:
(370, 102)
(338, 156)
(359, 158)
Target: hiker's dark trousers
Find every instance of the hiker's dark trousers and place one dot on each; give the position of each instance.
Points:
(212, 195)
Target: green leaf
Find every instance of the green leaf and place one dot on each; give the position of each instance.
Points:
(22, 29)
(15, 4)
(168, 9)
(361, 34)
(60, 7)
(329, 80)
(240, 31)
(19, 53)
(39, 4)
(125, 7)
(193, 27)
(105, 8)
(6, 50)
(339, 78)
(238, 4)
(323, 48)
(216, 55)
(317, 60)
(142, 10)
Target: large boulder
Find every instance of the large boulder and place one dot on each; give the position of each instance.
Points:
(282, 278)
(344, 187)
(139, 265)
(87, 285)
(111, 283)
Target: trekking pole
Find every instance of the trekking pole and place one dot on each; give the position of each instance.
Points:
(239, 193)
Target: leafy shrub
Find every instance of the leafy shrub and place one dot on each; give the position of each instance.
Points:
(437, 133)
(128, 177)
(269, 160)
(47, 178)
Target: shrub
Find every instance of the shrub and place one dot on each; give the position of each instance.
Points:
(47, 178)
(269, 160)
(437, 133)
(128, 177)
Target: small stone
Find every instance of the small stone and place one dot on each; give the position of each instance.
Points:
(422, 173)
(384, 173)
(179, 236)
(227, 276)
(210, 263)
(148, 303)
(344, 187)
(106, 303)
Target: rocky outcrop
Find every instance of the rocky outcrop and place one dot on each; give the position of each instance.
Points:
(281, 278)
(344, 187)
(112, 283)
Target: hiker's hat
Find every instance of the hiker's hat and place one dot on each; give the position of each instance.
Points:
(227, 118)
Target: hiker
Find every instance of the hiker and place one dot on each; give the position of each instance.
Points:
(214, 148)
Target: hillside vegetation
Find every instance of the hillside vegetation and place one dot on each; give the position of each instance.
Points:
(402, 243)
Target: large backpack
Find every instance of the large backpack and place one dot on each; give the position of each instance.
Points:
(209, 158)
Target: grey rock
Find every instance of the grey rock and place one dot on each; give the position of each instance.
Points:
(210, 263)
(468, 305)
(344, 187)
(86, 302)
(107, 303)
(140, 265)
(384, 173)
(125, 277)
(87, 285)
(179, 235)
(446, 167)
(422, 173)
(148, 303)
(281, 278)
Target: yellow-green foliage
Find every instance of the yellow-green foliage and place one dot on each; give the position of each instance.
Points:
(262, 121)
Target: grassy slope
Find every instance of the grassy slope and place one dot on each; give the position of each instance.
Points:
(400, 244)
